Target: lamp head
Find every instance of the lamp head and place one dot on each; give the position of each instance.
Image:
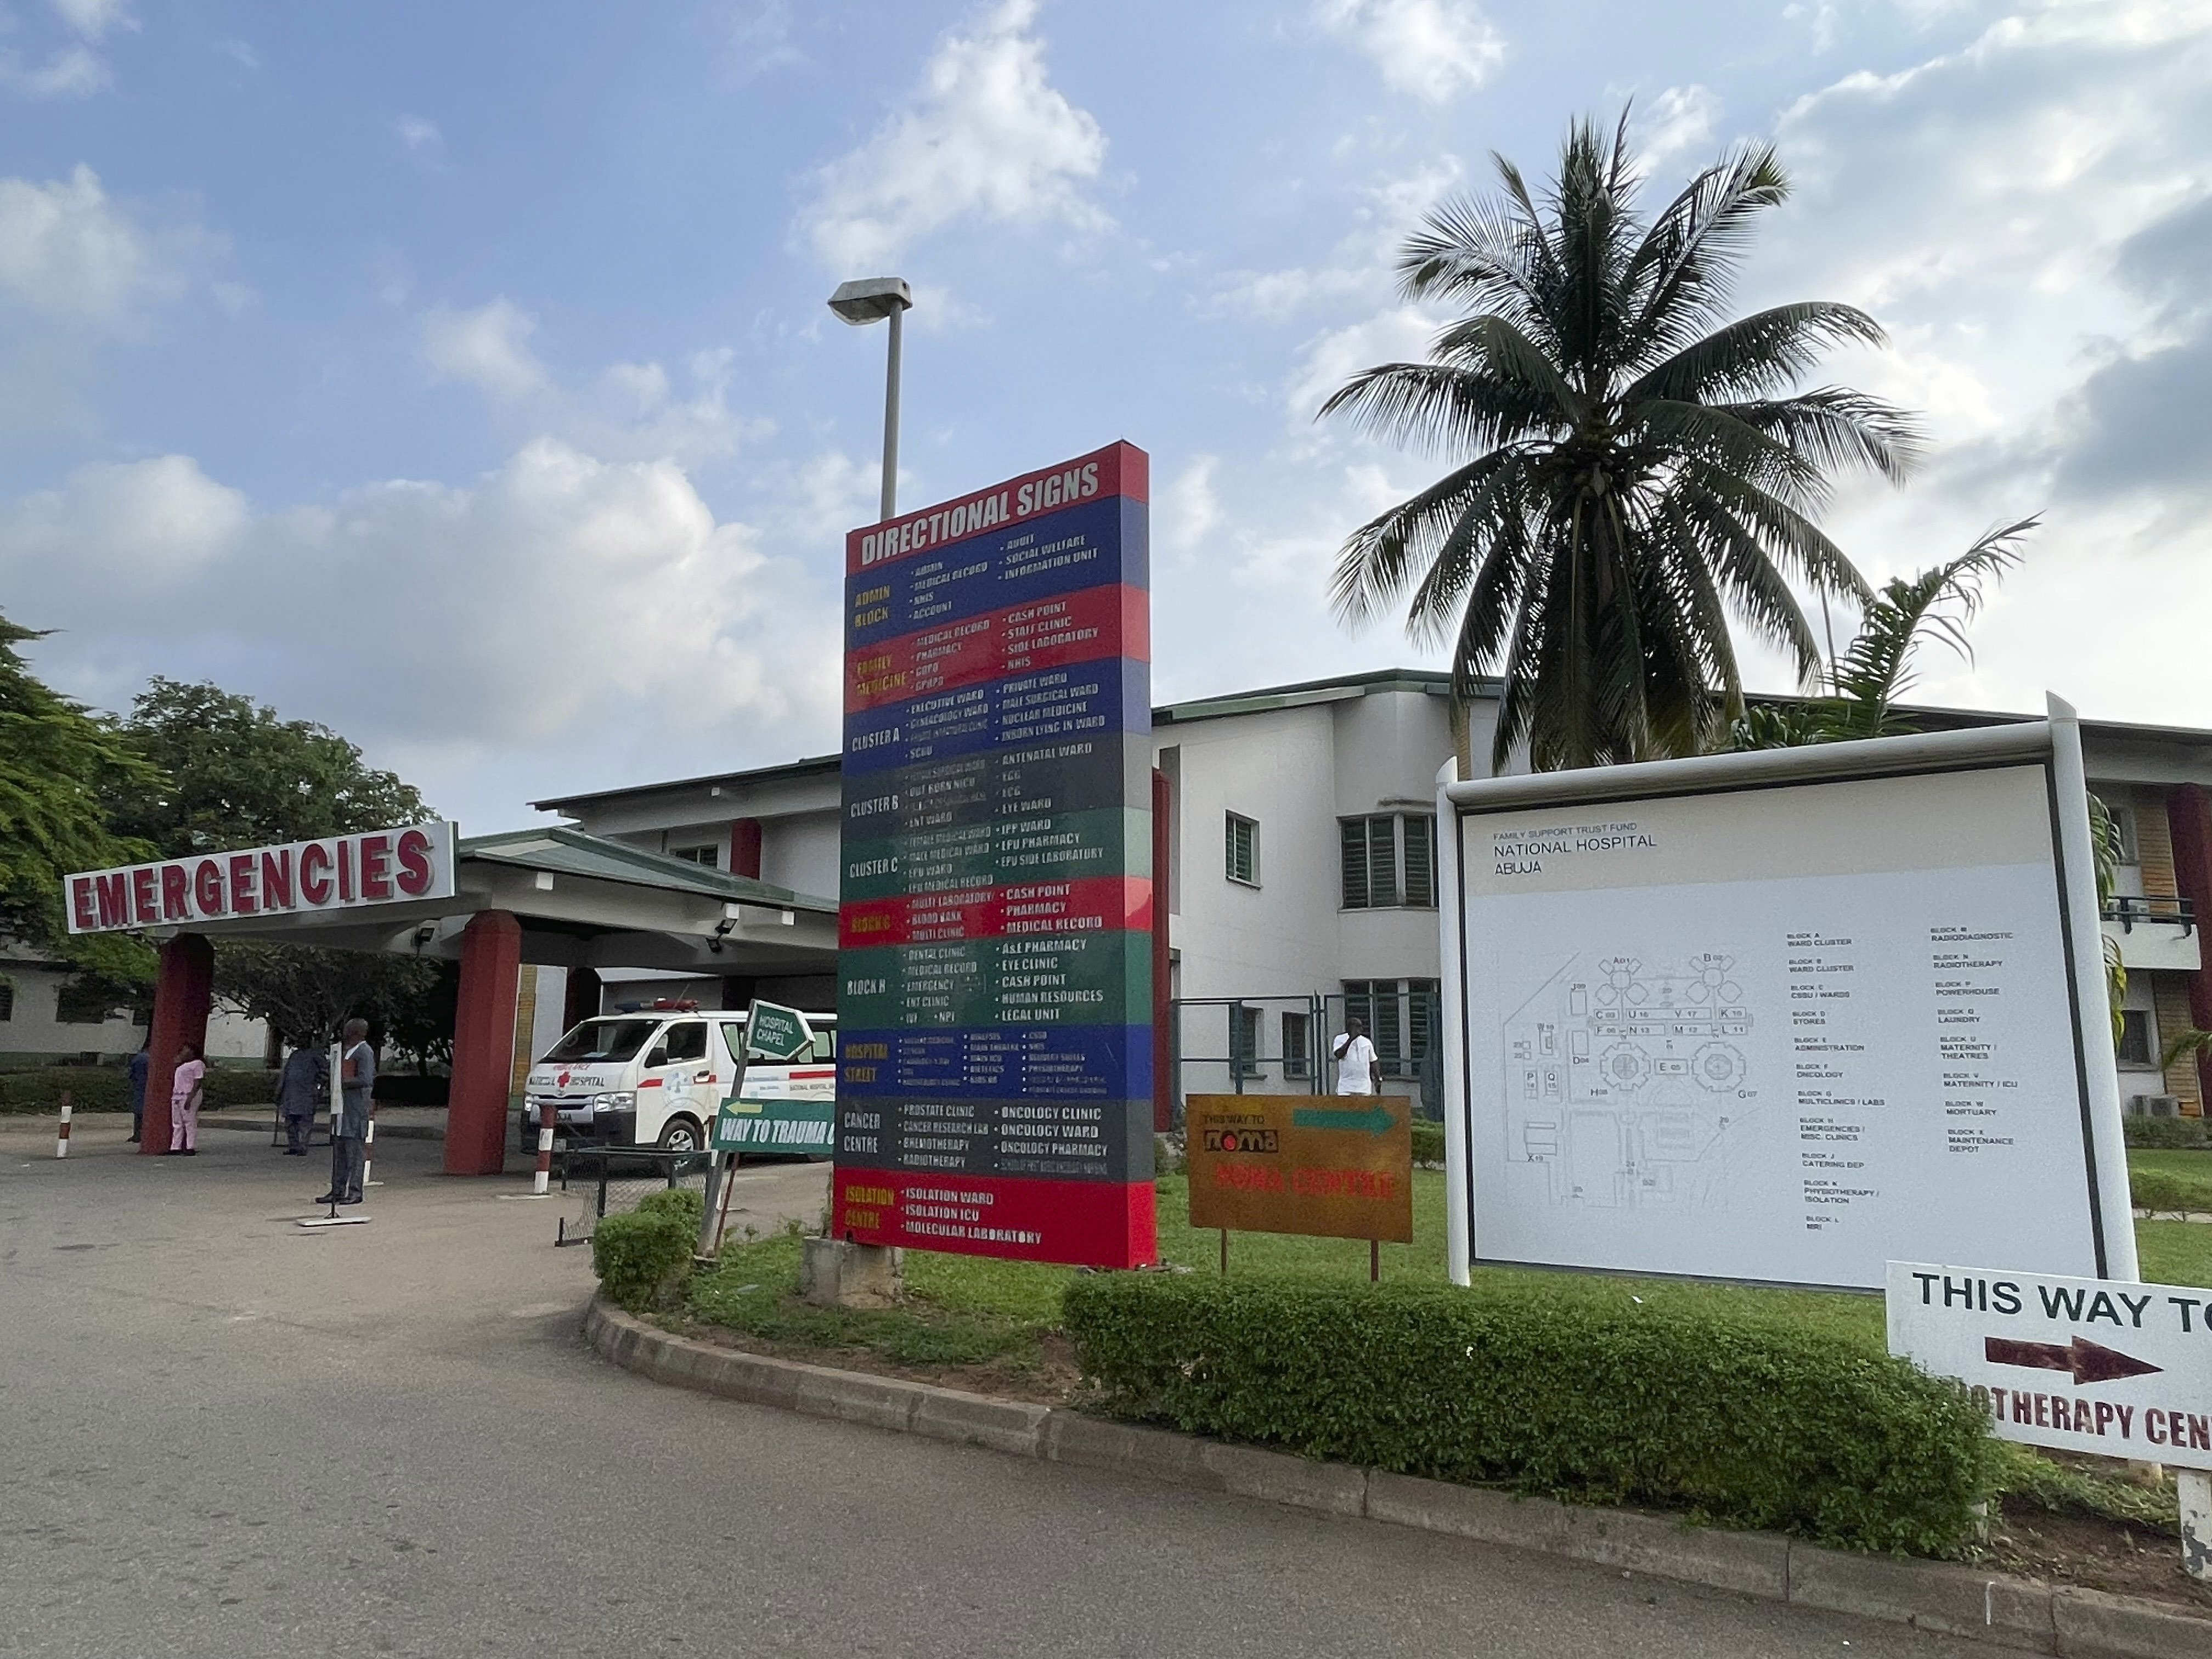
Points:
(872, 299)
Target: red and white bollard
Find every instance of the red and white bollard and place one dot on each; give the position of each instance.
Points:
(542, 1182)
(369, 1149)
(60, 1140)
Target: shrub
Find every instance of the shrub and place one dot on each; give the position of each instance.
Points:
(2157, 1189)
(643, 1258)
(1428, 1142)
(2166, 1133)
(1748, 1420)
(239, 1085)
(91, 1089)
(687, 1202)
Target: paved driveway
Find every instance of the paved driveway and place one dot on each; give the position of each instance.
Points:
(223, 1435)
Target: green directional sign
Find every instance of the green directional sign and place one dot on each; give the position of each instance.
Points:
(776, 1032)
(776, 1126)
(1375, 1120)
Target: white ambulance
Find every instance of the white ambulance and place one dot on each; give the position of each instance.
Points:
(656, 1076)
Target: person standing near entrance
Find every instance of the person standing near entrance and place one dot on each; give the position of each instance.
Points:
(356, 1076)
(141, 1063)
(304, 1082)
(185, 1087)
(1357, 1071)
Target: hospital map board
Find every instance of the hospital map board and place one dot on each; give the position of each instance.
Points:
(1788, 1017)
(994, 961)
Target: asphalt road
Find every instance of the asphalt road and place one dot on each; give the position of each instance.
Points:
(224, 1436)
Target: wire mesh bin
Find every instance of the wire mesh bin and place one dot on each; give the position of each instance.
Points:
(597, 1181)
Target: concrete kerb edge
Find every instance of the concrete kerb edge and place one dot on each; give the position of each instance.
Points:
(1931, 1595)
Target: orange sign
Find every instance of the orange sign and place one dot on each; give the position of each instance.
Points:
(1335, 1166)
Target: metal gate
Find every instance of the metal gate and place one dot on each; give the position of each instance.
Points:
(1281, 1044)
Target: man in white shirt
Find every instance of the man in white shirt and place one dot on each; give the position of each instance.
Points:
(1357, 1071)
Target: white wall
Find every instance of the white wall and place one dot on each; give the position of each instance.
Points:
(33, 1028)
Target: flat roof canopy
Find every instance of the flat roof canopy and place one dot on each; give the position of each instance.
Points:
(583, 901)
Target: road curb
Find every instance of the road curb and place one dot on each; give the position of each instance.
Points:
(1931, 1595)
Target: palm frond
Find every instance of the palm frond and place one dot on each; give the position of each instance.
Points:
(1877, 667)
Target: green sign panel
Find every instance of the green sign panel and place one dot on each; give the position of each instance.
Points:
(776, 1126)
(776, 1032)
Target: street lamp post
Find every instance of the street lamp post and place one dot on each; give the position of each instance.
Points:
(864, 301)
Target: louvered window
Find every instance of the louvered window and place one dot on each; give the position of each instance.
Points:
(1389, 860)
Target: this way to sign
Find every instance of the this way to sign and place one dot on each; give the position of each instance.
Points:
(2104, 1366)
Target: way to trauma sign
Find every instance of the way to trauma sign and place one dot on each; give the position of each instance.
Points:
(2099, 1365)
(337, 872)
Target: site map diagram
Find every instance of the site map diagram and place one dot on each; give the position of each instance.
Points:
(1629, 1084)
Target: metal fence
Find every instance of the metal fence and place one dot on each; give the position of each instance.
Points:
(597, 1181)
(1281, 1044)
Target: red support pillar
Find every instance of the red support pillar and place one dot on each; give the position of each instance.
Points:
(1162, 1033)
(2189, 818)
(183, 988)
(746, 847)
(484, 1045)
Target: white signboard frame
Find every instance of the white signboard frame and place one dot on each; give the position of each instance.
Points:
(1817, 1010)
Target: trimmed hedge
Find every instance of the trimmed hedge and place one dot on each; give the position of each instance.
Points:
(2167, 1134)
(643, 1258)
(1747, 1422)
(91, 1089)
(2156, 1189)
(406, 1089)
(1428, 1141)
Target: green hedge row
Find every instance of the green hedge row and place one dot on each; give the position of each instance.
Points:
(2167, 1134)
(1750, 1424)
(643, 1258)
(1428, 1141)
(2156, 1189)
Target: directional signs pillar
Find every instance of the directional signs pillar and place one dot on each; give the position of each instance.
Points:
(994, 964)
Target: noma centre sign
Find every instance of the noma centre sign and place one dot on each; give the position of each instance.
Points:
(335, 873)
(995, 902)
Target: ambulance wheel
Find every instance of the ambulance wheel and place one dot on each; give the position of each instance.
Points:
(682, 1134)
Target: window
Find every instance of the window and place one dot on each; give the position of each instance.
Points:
(1298, 1045)
(600, 1042)
(1389, 860)
(685, 1041)
(7, 1002)
(1401, 1016)
(2135, 1038)
(79, 1003)
(1240, 843)
(1244, 1041)
(711, 856)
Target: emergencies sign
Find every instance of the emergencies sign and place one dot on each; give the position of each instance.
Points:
(335, 873)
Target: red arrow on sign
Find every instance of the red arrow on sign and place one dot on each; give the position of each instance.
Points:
(2089, 1361)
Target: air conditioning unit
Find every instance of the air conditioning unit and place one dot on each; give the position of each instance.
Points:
(2154, 1105)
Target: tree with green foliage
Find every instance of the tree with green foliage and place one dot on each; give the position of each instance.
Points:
(1631, 470)
(235, 775)
(59, 765)
(240, 776)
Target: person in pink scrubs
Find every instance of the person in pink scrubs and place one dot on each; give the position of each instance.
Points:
(185, 1091)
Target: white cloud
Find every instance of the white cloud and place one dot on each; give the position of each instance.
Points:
(71, 255)
(489, 347)
(760, 38)
(985, 136)
(1400, 334)
(75, 71)
(628, 411)
(562, 602)
(1188, 509)
(1680, 118)
(422, 139)
(1434, 48)
(93, 18)
(1998, 207)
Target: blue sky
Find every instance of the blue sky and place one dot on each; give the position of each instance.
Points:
(459, 376)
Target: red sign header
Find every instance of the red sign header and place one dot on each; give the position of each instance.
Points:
(1117, 470)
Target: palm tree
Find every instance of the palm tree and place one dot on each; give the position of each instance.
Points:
(1862, 685)
(1630, 470)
